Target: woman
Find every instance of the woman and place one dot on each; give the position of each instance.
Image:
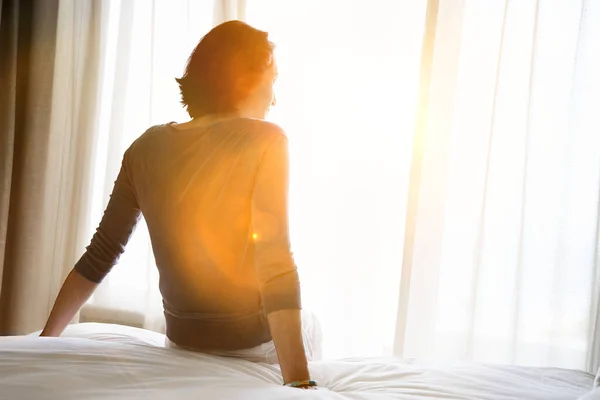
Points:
(213, 192)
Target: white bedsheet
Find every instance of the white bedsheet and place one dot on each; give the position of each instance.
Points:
(97, 361)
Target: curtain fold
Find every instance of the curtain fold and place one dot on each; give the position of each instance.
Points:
(227, 10)
(504, 262)
(48, 128)
(416, 163)
(28, 31)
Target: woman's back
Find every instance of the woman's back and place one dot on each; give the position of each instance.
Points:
(194, 188)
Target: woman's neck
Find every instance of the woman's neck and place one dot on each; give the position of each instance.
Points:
(205, 120)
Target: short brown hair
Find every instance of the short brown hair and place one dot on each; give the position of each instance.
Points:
(224, 67)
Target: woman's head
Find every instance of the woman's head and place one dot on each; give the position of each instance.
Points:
(231, 70)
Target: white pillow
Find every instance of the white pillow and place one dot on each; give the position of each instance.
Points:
(112, 333)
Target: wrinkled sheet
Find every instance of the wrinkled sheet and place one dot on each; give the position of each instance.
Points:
(99, 361)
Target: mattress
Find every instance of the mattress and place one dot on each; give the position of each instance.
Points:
(99, 361)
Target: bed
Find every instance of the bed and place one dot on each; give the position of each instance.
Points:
(102, 361)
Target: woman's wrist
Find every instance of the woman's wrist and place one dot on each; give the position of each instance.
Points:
(46, 332)
(305, 384)
(299, 373)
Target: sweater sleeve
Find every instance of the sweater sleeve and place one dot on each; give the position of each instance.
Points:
(118, 223)
(276, 270)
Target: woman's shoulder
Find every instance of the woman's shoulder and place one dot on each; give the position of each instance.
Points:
(149, 136)
(257, 126)
(257, 131)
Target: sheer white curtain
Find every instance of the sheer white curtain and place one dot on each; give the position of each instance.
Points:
(501, 263)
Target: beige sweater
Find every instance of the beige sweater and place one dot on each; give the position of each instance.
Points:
(215, 202)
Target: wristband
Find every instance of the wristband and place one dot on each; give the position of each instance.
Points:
(301, 384)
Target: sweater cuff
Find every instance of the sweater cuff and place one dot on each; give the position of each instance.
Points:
(282, 293)
(87, 268)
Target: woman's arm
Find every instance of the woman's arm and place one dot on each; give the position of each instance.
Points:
(277, 273)
(107, 245)
(286, 330)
